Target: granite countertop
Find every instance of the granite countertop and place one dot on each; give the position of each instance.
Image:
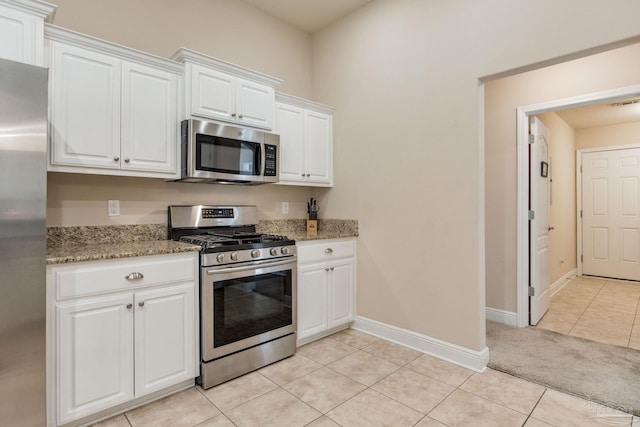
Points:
(100, 242)
(101, 251)
(93, 243)
(296, 229)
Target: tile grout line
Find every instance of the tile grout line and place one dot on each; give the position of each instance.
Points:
(535, 406)
(633, 325)
(587, 307)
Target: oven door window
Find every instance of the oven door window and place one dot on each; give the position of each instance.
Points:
(224, 155)
(248, 306)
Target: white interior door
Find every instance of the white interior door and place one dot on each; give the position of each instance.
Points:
(611, 213)
(539, 274)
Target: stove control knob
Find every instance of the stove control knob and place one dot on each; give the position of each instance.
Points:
(234, 256)
(220, 257)
(284, 251)
(255, 253)
(273, 251)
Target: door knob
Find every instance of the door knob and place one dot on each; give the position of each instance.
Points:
(550, 228)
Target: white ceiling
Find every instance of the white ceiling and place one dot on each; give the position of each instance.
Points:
(601, 114)
(308, 15)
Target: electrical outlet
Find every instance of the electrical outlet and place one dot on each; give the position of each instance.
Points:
(113, 207)
(285, 207)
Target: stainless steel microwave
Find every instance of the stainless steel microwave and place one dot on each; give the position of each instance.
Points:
(218, 153)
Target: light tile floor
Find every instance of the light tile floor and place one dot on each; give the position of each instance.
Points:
(355, 379)
(603, 310)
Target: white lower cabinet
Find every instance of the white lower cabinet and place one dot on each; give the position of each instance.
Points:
(115, 339)
(326, 286)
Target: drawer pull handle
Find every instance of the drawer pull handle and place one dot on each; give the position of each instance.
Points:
(129, 306)
(134, 276)
(141, 303)
(328, 251)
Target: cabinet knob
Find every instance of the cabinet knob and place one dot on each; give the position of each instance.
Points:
(326, 269)
(126, 160)
(328, 251)
(308, 175)
(129, 306)
(141, 303)
(240, 116)
(303, 175)
(332, 268)
(233, 114)
(134, 276)
(116, 159)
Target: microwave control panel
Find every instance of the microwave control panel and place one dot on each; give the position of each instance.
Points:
(271, 154)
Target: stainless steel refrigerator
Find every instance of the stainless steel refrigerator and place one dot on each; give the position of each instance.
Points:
(23, 189)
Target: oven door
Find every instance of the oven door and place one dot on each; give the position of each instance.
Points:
(243, 306)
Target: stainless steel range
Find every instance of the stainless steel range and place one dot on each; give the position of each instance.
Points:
(247, 289)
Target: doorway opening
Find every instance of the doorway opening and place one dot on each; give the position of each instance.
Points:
(524, 114)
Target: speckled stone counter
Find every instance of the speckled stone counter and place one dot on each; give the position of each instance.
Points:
(297, 228)
(93, 243)
(99, 242)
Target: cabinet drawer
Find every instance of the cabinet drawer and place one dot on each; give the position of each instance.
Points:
(326, 250)
(80, 279)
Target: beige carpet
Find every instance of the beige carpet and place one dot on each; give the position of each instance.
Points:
(602, 373)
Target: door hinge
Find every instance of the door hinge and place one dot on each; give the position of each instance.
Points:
(532, 215)
(532, 291)
(580, 213)
(532, 138)
(581, 258)
(580, 168)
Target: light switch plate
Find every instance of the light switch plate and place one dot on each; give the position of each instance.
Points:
(285, 207)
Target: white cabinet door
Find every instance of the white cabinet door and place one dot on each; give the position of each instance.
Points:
(290, 127)
(85, 111)
(254, 104)
(341, 292)
(213, 94)
(149, 125)
(17, 33)
(312, 300)
(164, 339)
(319, 137)
(22, 30)
(95, 355)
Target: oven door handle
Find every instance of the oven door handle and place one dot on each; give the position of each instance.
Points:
(252, 266)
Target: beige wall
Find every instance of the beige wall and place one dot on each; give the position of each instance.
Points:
(230, 30)
(608, 136)
(562, 210)
(227, 29)
(403, 76)
(605, 71)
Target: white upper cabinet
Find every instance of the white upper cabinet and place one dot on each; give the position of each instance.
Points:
(306, 141)
(113, 111)
(222, 91)
(22, 30)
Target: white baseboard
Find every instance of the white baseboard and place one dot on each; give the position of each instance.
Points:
(561, 282)
(501, 316)
(475, 360)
